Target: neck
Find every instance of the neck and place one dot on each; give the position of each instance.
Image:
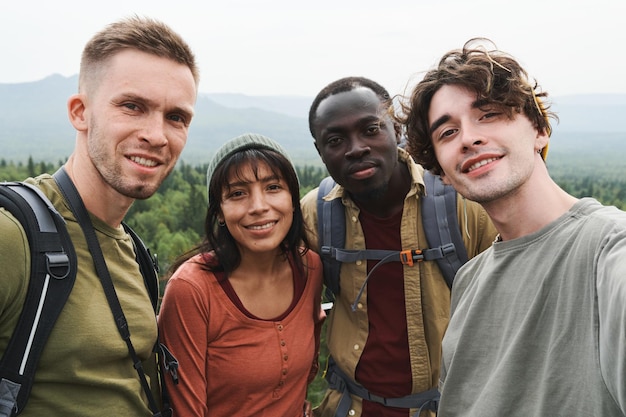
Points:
(529, 209)
(266, 265)
(99, 198)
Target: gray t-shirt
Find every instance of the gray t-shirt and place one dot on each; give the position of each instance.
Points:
(538, 324)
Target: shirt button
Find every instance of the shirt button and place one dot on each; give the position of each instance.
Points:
(280, 327)
(360, 306)
(285, 357)
(282, 343)
(351, 412)
(284, 372)
(354, 219)
(356, 347)
(359, 262)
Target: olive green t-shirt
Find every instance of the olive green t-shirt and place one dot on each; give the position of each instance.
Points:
(85, 368)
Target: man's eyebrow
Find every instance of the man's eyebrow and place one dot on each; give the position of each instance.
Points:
(188, 112)
(478, 104)
(438, 123)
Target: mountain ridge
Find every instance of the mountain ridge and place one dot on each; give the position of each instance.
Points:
(35, 124)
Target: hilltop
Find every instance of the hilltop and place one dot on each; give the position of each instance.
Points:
(34, 120)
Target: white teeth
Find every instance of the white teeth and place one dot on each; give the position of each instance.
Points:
(481, 163)
(143, 161)
(265, 226)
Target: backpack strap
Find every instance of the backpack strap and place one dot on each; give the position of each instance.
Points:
(52, 277)
(441, 226)
(149, 266)
(339, 381)
(77, 207)
(439, 204)
(331, 225)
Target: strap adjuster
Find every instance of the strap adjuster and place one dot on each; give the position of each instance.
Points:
(408, 256)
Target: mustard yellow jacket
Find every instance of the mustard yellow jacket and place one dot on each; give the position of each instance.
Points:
(426, 292)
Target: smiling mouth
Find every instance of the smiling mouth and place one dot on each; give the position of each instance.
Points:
(143, 161)
(262, 227)
(481, 163)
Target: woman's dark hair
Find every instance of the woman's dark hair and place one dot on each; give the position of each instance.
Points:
(218, 238)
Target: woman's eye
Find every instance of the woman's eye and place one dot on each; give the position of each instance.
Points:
(235, 194)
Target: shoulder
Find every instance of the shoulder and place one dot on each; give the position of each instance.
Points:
(415, 170)
(49, 187)
(10, 229)
(309, 201)
(14, 258)
(477, 228)
(194, 273)
(313, 259)
(601, 226)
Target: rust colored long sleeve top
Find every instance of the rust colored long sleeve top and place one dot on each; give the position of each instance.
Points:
(231, 364)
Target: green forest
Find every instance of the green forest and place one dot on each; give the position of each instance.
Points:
(171, 221)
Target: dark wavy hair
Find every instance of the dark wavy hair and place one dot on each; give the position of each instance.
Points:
(495, 77)
(218, 238)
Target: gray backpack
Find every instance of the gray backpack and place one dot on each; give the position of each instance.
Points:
(440, 224)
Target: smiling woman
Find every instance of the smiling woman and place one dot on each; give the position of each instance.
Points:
(242, 311)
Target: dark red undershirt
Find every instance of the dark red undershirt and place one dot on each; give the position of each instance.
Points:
(385, 365)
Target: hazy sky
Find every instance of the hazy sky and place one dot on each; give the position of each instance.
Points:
(296, 47)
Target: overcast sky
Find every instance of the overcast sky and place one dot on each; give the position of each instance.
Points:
(296, 47)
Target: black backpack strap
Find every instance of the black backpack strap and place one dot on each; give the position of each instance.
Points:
(149, 266)
(441, 225)
(53, 272)
(82, 216)
(331, 225)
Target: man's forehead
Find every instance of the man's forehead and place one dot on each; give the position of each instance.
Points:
(360, 99)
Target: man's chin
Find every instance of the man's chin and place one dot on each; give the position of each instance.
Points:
(370, 193)
(139, 192)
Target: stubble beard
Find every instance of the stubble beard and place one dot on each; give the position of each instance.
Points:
(493, 192)
(110, 169)
(375, 194)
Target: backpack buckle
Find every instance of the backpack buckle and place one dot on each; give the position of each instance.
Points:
(408, 256)
(58, 265)
(326, 251)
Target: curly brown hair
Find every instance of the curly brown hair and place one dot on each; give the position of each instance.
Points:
(496, 78)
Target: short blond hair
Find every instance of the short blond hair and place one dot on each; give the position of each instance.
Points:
(141, 34)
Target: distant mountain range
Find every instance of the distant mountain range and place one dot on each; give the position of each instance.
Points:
(34, 122)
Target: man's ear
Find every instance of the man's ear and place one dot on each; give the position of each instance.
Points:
(398, 130)
(541, 142)
(76, 111)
